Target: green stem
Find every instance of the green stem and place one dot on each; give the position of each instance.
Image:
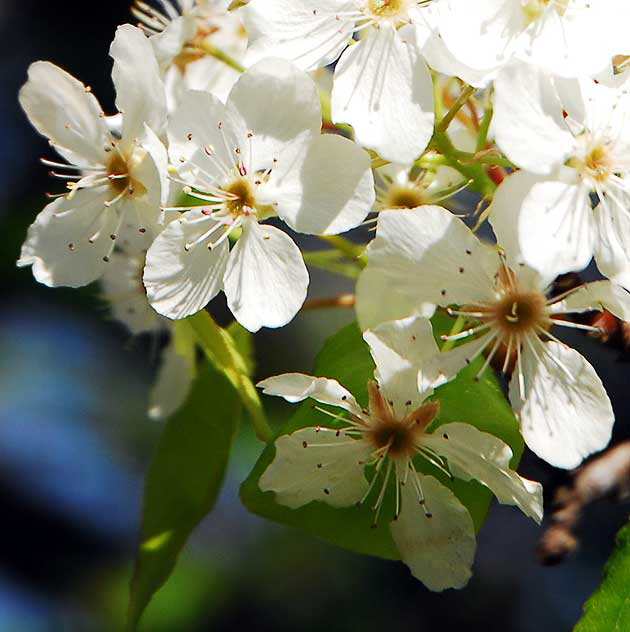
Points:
(219, 348)
(484, 159)
(345, 246)
(482, 183)
(482, 139)
(458, 325)
(467, 92)
(221, 56)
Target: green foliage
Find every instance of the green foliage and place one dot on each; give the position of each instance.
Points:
(183, 482)
(333, 261)
(227, 356)
(608, 608)
(346, 358)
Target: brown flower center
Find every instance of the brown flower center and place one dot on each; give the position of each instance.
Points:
(397, 436)
(518, 312)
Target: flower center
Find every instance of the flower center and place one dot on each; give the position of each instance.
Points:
(396, 436)
(240, 200)
(386, 8)
(533, 9)
(596, 162)
(518, 312)
(400, 196)
(118, 173)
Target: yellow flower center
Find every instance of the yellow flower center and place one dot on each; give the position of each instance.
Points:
(533, 9)
(596, 164)
(401, 196)
(118, 173)
(241, 199)
(386, 8)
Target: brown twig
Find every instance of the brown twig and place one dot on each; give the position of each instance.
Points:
(343, 300)
(608, 475)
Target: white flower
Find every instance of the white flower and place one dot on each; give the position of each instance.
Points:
(122, 288)
(180, 33)
(567, 37)
(382, 86)
(427, 254)
(121, 178)
(577, 135)
(259, 156)
(433, 531)
(405, 187)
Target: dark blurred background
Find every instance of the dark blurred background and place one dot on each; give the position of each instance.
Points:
(75, 442)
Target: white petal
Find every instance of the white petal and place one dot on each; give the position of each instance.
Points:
(578, 43)
(62, 109)
(295, 387)
(210, 75)
(428, 255)
(372, 285)
(293, 29)
(440, 58)
(399, 349)
(173, 382)
(481, 34)
(612, 249)
(384, 90)
(600, 295)
(439, 550)
(140, 92)
(141, 224)
(564, 410)
(200, 146)
(328, 189)
(445, 366)
(505, 211)
(317, 464)
(266, 279)
(476, 455)
(528, 121)
(279, 106)
(170, 42)
(549, 221)
(153, 173)
(181, 282)
(122, 288)
(57, 244)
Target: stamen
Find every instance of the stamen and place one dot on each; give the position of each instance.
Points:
(337, 417)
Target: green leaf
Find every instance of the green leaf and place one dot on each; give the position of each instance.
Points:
(244, 341)
(346, 358)
(332, 261)
(183, 482)
(220, 348)
(608, 608)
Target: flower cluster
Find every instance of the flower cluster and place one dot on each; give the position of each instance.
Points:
(240, 124)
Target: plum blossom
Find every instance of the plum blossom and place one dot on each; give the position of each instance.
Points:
(573, 139)
(116, 169)
(259, 156)
(567, 37)
(382, 86)
(122, 289)
(397, 435)
(429, 255)
(181, 33)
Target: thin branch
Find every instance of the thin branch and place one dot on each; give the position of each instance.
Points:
(343, 300)
(608, 475)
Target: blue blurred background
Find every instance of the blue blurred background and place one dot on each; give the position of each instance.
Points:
(75, 442)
